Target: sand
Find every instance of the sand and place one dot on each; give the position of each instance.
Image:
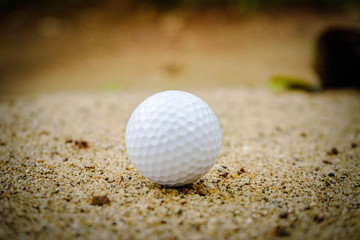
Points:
(288, 168)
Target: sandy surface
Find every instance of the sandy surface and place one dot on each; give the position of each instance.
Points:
(288, 168)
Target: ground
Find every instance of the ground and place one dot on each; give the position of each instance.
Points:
(172, 50)
(289, 162)
(289, 166)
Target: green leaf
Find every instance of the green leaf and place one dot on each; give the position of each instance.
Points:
(281, 83)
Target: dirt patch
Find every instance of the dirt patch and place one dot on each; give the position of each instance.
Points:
(172, 50)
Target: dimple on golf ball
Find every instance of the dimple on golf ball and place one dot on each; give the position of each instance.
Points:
(173, 138)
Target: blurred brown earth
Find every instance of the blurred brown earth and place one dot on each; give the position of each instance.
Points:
(168, 50)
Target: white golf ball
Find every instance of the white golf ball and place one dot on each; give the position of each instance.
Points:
(173, 138)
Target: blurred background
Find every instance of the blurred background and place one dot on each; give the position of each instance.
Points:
(70, 45)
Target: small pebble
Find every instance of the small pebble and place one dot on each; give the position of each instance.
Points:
(81, 144)
(201, 192)
(318, 219)
(334, 151)
(100, 200)
(326, 161)
(241, 171)
(224, 174)
(281, 232)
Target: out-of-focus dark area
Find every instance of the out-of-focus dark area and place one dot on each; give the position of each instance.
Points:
(338, 57)
(66, 7)
(48, 46)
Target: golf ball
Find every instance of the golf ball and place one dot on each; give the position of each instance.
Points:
(173, 138)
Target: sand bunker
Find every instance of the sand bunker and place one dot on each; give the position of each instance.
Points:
(289, 167)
